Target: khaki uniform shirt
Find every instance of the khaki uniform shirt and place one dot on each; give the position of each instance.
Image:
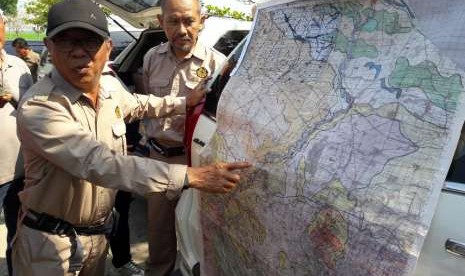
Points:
(164, 74)
(32, 60)
(74, 154)
(15, 79)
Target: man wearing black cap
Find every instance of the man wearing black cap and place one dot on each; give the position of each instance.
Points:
(72, 126)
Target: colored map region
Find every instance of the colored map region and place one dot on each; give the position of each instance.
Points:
(350, 116)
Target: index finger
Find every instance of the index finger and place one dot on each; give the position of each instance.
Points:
(237, 165)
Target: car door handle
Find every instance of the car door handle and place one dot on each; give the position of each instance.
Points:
(455, 247)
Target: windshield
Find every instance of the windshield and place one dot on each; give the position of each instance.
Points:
(135, 6)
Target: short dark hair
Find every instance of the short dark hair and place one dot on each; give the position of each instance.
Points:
(20, 42)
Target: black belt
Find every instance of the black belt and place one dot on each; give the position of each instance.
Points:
(165, 150)
(52, 225)
(46, 223)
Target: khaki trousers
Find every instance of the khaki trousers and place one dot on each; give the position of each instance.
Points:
(37, 253)
(161, 227)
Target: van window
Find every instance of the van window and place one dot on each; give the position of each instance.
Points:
(229, 41)
(121, 39)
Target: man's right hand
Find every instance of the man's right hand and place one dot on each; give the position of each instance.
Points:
(196, 95)
(216, 178)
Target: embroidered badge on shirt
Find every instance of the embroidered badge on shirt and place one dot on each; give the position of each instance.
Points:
(118, 112)
(202, 72)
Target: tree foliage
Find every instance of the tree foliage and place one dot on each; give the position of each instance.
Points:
(227, 12)
(9, 6)
(16, 24)
(38, 10)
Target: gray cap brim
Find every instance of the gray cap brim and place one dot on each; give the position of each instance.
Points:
(77, 24)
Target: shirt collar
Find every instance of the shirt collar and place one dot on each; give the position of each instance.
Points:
(2, 56)
(28, 55)
(66, 88)
(70, 91)
(5, 61)
(104, 93)
(163, 48)
(199, 50)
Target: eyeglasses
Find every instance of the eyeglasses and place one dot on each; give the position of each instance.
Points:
(92, 44)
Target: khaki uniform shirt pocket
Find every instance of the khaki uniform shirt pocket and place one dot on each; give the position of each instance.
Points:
(119, 138)
(159, 87)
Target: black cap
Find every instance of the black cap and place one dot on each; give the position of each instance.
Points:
(82, 14)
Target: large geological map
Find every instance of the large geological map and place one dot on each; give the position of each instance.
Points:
(349, 115)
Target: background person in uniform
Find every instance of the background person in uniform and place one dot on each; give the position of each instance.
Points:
(173, 69)
(15, 79)
(25, 52)
(71, 124)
